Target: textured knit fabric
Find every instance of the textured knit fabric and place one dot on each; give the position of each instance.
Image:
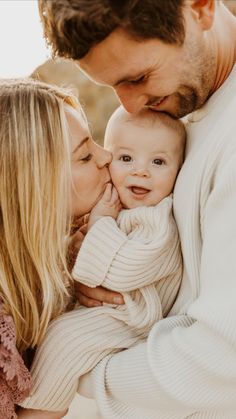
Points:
(139, 257)
(15, 382)
(187, 367)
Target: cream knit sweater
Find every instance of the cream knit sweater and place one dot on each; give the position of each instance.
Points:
(139, 255)
(187, 367)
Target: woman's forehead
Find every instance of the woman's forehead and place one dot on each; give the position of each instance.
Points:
(77, 125)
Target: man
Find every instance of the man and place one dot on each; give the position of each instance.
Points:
(173, 56)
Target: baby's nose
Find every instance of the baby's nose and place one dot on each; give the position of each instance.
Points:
(140, 170)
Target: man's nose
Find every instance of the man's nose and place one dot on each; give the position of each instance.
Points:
(132, 101)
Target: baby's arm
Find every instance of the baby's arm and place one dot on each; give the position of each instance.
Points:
(109, 205)
(122, 261)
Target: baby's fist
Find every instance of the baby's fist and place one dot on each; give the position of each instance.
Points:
(108, 206)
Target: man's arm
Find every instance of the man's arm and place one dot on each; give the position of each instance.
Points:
(94, 297)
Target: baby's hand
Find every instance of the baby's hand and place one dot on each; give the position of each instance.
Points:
(109, 205)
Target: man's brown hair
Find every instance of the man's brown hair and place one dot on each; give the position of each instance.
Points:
(73, 27)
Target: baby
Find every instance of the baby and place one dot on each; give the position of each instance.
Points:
(135, 252)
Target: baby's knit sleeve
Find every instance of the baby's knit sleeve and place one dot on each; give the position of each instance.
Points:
(141, 249)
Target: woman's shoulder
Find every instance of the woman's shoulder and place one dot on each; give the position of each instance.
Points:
(15, 380)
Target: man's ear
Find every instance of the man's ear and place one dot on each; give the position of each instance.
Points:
(204, 11)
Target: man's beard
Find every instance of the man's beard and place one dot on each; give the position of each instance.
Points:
(186, 102)
(197, 82)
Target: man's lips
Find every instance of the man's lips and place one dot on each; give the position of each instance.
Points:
(155, 105)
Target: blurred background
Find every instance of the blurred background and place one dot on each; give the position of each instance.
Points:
(24, 53)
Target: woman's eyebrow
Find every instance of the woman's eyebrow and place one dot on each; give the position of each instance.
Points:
(80, 144)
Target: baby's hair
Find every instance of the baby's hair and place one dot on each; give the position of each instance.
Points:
(149, 116)
(146, 117)
(34, 184)
(174, 124)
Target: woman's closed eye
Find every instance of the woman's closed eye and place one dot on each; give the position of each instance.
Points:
(86, 158)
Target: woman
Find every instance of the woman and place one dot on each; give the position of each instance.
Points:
(48, 164)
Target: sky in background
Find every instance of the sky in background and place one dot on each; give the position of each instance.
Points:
(22, 47)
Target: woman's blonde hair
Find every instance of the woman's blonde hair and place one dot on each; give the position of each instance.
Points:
(34, 196)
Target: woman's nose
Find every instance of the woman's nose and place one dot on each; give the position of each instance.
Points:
(104, 157)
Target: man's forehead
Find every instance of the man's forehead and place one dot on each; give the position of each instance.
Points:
(108, 77)
(118, 58)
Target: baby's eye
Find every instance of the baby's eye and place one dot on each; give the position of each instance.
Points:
(126, 158)
(86, 158)
(158, 162)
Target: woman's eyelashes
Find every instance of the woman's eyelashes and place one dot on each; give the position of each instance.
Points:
(86, 158)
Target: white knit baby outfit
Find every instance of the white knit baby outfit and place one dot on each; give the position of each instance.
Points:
(137, 255)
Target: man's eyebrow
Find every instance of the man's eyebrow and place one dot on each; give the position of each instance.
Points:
(80, 144)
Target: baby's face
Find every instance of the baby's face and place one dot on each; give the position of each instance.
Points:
(146, 160)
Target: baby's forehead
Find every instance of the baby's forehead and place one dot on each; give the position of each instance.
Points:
(153, 120)
(146, 118)
(124, 128)
(140, 127)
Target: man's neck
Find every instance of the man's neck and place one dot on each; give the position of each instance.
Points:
(223, 40)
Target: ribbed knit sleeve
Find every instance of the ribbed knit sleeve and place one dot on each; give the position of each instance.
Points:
(141, 249)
